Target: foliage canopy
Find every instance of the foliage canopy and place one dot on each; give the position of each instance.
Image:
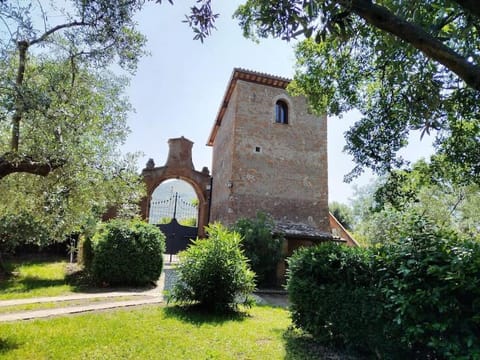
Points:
(407, 66)
(383, 209)
(63, 113)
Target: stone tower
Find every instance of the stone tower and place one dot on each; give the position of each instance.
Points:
(269, 154)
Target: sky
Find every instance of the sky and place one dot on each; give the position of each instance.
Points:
(178, 88)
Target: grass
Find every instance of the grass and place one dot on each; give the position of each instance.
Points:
(157, 332)
(45, 278)
(36, 278)
(147, 332)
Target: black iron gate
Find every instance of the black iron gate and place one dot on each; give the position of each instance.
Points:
(164, 213)
(178, 236)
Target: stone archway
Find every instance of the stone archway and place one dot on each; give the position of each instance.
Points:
(179, 165)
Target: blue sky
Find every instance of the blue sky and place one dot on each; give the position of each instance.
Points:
(178, 88)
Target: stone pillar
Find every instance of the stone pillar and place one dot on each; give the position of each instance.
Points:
(180, 153)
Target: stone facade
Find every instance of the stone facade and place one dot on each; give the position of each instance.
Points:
(260, 164)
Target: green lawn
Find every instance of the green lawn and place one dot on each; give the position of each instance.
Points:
(148, 332)
(44, 278)
(36, 278)
(158, 332)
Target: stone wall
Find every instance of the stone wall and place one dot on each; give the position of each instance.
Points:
(222, 161)
(278, 168)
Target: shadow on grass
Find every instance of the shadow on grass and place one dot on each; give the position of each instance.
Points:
(197, 315)
(28, 283)
(7, 345)
(81, 281)
(75, 276)
(33, 282)
(301, 346)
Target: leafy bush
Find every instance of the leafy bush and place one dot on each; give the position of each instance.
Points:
(127, 252)
(431, 285)
(214, 273)
(192, 221)
(261, 246)
(22, 228)
(418, 297)
(332, 297)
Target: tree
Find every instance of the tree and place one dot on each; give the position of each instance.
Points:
(425, 188)
(405, 65)
(342, 213)
(62, 116)
(385, 208)
(83, 35)
(262, 246)
(94, 177)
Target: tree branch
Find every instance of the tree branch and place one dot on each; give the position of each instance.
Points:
(26, 164)
(19, 105)
(55, 29)
(416, 36)
(23, 46)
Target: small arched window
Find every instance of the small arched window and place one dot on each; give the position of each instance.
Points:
(281, 112)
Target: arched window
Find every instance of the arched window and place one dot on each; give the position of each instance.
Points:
(281, 112)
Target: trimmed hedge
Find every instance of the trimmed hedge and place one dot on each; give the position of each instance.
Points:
(127, 252)
(213, 273)
(418, 298)
(332, 295)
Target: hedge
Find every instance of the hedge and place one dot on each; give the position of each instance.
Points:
(419, 297)
(127, 252)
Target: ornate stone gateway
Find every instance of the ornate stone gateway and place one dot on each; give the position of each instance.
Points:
(179, 165)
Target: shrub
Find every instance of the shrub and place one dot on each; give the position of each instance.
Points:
(214, 273)
(127, 252)
(20, 229)
(430, 280)
(192, 222)
(418, 297)
(261, 246)
(332, 297)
